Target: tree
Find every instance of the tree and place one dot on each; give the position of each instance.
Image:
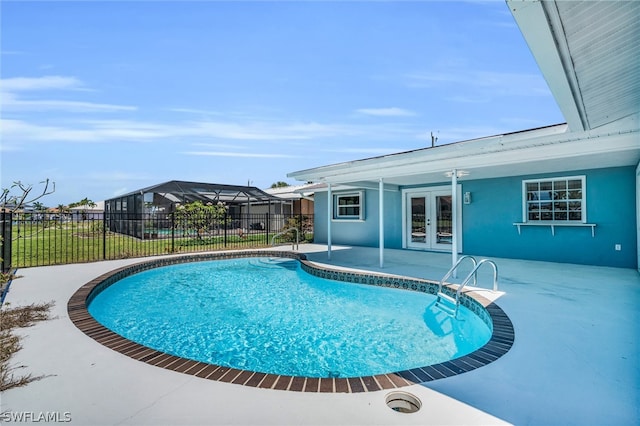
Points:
(279, 184)
(85, 202)
(39, 207)
(198, 218)
(85, 205)
(12, 202)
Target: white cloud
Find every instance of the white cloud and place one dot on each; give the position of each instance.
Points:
(22, 132)
(116, 176)
(11, 102)
(386, 112)
(194, 111)
(486, 82)
(468, 99)
(17, 84)
(219, 146)
(375, 151)
(236, 154)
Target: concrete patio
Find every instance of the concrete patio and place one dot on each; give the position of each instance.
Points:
(574, 361)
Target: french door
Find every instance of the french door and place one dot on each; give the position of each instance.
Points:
(428, 220)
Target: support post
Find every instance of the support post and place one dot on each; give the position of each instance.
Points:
(381, 220)
(329, 215)
(454, 221)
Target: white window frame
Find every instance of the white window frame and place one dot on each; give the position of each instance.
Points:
(554, 201)
(347, 217)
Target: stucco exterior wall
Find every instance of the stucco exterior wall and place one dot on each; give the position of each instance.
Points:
(487, 222)
(497, 204)
(362, 233)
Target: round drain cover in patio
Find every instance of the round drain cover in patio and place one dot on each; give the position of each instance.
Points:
(403, 402)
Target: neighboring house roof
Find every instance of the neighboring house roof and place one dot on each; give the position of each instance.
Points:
(292, 192)
(99, 207)
(184, 192)
(599, 96)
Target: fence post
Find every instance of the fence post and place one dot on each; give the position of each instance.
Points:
(268, 225)
(104, 235)
(6, 220)
(225, 226)
(173, 232)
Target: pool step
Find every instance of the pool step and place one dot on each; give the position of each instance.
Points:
(275, 263)
(447, 304)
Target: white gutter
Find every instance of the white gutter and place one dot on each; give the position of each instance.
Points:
(480, 153)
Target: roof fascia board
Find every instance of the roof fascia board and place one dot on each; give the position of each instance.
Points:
(541, 27)
(318, 174)
(481, 154)
(336, 187)
(374, 185)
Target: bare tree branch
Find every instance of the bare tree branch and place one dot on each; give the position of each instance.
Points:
(14, 202)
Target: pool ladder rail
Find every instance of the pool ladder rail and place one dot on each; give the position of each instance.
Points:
(294, 246)
(450, 304)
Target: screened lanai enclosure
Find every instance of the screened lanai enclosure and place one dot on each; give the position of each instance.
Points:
(155, 212)
(172, 217)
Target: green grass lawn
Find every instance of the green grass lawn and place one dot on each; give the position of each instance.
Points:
(41, 244)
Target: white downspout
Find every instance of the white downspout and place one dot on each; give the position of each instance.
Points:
(329, 215)
(381, 221)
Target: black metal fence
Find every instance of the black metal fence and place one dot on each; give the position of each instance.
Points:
(39, 239)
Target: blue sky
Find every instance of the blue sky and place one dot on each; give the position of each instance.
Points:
(108, 97)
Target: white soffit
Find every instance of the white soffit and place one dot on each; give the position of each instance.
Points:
(588, 53)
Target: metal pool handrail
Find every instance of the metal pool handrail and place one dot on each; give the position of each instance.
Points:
(454, 267)
(473, 273)
(454, 302)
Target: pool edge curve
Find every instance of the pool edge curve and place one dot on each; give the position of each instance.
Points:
(500, 342)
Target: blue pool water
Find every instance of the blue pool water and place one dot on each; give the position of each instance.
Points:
(268, 315)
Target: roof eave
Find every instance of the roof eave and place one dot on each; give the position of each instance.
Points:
(499, 152)
(542, 29)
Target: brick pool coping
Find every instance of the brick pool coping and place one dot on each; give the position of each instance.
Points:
(501, 340)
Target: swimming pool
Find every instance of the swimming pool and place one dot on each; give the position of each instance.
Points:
(338, 377)
(268, 315)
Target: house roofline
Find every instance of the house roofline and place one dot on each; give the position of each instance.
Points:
(508, 151)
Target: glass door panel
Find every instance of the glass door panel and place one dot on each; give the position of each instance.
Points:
(418, 235)
(443, 212)
(418, 220)
(428, 221)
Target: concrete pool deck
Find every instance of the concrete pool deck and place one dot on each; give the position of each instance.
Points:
(575, 359)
